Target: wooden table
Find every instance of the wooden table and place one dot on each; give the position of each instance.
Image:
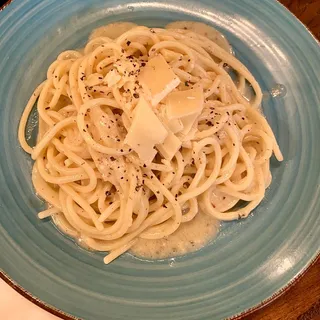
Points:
(308, 11)
(302, 300)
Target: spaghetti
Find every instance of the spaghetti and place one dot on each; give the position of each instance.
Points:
(98, 185)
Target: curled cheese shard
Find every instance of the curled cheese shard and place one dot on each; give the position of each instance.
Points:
(185, 106)
(112, 78)
(184, 103)
(158, 79)
(145, 132)
(188, 123)
(169, 147)
(175, 125)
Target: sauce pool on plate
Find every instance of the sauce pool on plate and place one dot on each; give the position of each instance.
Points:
(190, 236)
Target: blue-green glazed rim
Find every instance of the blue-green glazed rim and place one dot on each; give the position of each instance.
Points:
(252, 261)
(239, 316)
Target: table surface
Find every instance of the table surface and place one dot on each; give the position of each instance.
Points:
(301, 301)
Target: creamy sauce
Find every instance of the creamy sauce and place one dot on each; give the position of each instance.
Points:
(204, 30)
(63, 225)
(189, 237)
(112, 30)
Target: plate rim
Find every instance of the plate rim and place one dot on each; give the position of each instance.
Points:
(66, 316)
(5, 4)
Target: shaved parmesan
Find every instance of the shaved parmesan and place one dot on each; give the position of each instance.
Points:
(188, 123)
(184, 103)
(175, 125)
(158, 79)
(145, 132)
(169, 147)
(112, 78)
(187, 136)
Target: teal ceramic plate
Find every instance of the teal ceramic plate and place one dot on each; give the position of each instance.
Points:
(251, 260)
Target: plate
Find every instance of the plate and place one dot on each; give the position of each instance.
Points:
(251, 260)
